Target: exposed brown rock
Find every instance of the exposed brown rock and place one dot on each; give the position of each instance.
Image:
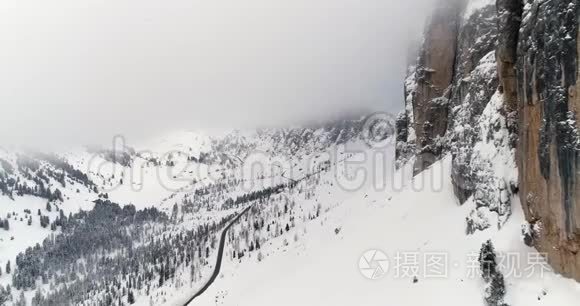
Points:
(509, 14)
(434, 77)
(547, 74)
(537, 71)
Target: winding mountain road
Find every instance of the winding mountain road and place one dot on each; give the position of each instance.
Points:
(223, 241)
(218, 264)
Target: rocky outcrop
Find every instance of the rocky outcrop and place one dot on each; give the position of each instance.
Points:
(509, 13)
(433, 78)
(547, 73)
(449, 120)
(475, 83)
(405, 123)
(496, 88)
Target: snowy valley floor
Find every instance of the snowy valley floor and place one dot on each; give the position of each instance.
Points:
(413, 226)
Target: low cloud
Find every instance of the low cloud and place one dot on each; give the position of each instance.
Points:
(79, 72)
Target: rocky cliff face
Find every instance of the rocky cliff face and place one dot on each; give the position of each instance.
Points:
(433, 77)
(475, 83)
(463, 119)
(495, 86)
(547, 72)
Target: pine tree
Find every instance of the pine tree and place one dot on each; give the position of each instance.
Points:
(487, 261)
(495, 289)
(22, 300)
(130, 297)
(38, 298)
(4, 295)
(161, 276)
(192, 272)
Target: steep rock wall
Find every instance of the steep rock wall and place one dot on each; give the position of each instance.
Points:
(433, 79)
(405, 122)
(547, 73)
(505, 79)
(509, 13)
(475, 83)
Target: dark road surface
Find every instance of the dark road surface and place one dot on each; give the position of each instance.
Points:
(218, 263)
(223, 242)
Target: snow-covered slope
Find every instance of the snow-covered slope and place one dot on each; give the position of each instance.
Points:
(420, 221)
(310, 219)
(195, 182)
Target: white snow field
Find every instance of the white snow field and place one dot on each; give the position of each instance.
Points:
(415, 226)
(364, 204)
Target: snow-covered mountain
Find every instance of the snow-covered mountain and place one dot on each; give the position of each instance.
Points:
(96, 225)
(494, 90)
(472, 202)
(419, 227)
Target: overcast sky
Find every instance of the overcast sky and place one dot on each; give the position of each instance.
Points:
(80, 71)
